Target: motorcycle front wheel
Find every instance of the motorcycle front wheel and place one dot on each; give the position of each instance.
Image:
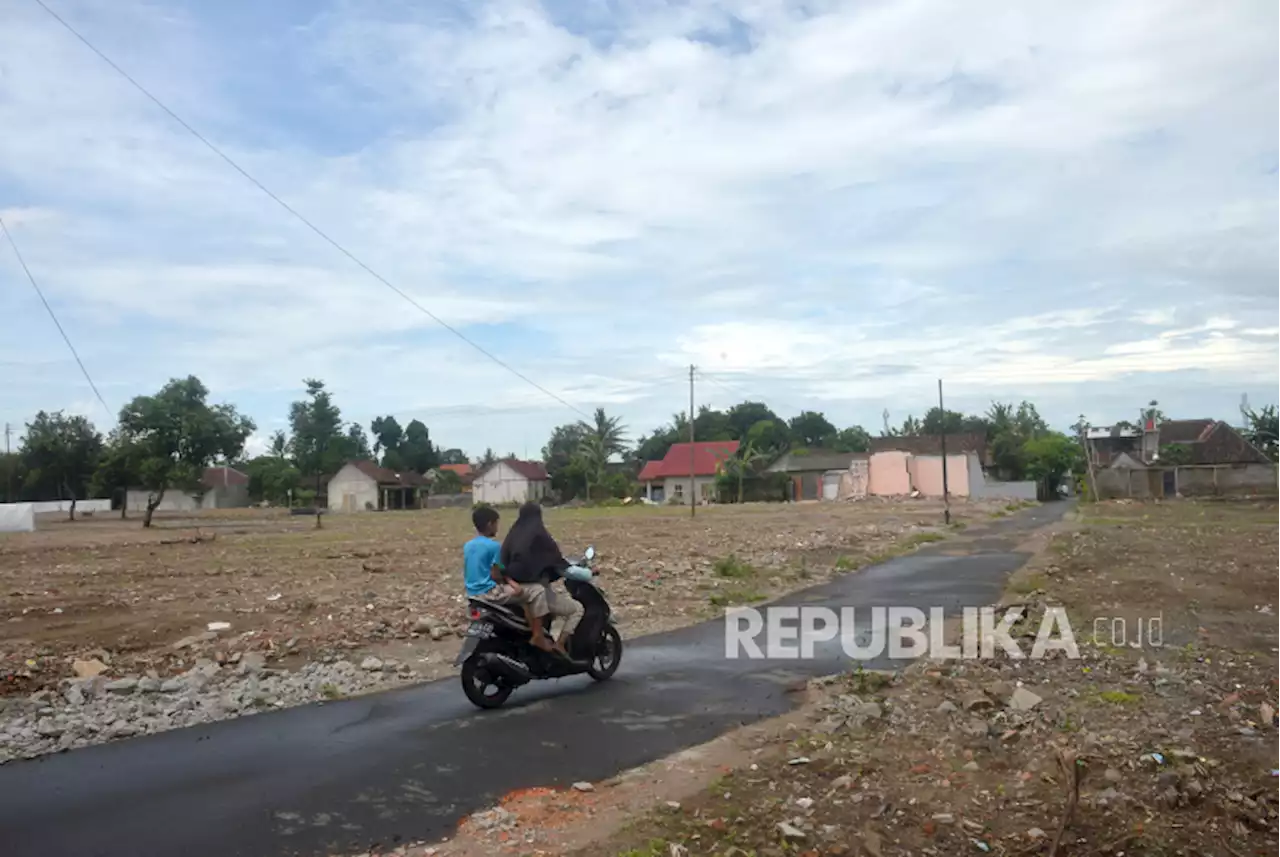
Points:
(608, 655)
(483, 689)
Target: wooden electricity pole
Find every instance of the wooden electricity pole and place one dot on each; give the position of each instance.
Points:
(946, 496)
(693, 478)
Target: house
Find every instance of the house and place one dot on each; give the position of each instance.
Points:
(466, 475)
(510, 480)
(1207, 441)
(688, 469)
(220, 488)
(1215, 459)
(361, 486)
(815, 473)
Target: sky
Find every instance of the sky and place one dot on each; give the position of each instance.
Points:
(822, 205)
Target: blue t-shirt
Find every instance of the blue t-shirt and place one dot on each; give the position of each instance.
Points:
(478, 557)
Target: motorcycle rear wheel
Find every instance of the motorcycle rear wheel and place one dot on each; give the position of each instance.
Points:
(476, 680)
(608, 655)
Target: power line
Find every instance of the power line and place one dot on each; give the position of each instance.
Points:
(317, 230)
(52, 314)
(742, 392)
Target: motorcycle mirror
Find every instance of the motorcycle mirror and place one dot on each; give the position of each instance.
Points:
(590, 554)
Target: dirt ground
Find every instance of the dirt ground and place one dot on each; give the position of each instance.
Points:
(390, 583)
(1164, 745)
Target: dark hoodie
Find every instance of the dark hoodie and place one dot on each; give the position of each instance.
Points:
(529, 554)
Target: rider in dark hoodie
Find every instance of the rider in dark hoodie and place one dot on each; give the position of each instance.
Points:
(531, 557)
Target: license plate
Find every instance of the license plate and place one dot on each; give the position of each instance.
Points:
(484, 630)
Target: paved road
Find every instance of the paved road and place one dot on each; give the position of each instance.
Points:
(408, 764)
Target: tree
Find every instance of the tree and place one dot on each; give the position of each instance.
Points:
(279, 444)
(272, 479)
(60, 455)
(710, 424)
(1050, 457)
(317, 444)
(453, 456)
(1262, 428)
(852, 439)
(446, 482)
(937, 421)
(118, 470)
(416, 451)
(742, 417)
(610, 432)
(175, 434)
(746, 461)
(387, 434)
(654, 447)
(811, 428)
(357, 443)
(911, 427)
(1152, 413)
(486, 459)
(769, 437)
(562, 458)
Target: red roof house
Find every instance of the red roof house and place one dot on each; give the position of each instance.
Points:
(703, 460)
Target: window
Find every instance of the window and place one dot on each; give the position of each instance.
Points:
(678, 491)
(706, 490)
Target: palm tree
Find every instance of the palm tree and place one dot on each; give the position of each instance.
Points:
(592, 456)
(608, 431)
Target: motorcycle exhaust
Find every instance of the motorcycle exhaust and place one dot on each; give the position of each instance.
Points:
(507, 667)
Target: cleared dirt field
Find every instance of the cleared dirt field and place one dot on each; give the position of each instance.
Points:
(140, 600)
(1157, 747)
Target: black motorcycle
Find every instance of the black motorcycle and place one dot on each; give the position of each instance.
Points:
(498, 655)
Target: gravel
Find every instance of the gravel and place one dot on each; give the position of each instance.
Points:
(95, 709)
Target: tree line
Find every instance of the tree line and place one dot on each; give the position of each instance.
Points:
(164, 442)
(593, 458)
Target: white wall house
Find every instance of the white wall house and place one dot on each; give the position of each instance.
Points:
(363, 486)
(220, 488)
(511, 481)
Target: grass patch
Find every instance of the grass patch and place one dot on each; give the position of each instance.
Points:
(730, 597)
(330, 691)
(917, 539)
(1027, 584)
(732, 568)
(844, 563)
(1119, 697)
(655, 848)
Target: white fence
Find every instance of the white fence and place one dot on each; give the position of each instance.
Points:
(65, 506)
(17, 518)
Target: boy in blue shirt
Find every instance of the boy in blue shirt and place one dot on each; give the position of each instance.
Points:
(482, 573)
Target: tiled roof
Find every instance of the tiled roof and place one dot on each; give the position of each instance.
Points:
(1185, 431)
(534, 471)
(652, 470)
(706, 459)
(809, 460)
(463, 470)
(385, 476)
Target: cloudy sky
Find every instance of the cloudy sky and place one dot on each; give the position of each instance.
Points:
(822, 204)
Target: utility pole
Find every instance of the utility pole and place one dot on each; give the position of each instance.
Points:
(8, 466)
(693, 479)
(946, 496)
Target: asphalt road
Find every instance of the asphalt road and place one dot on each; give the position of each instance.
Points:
(408, 764)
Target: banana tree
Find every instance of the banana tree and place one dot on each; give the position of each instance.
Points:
(748, 457)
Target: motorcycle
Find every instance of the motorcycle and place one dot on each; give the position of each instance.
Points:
(498, 655)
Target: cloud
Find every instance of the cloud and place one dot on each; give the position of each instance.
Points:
(830, 203)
